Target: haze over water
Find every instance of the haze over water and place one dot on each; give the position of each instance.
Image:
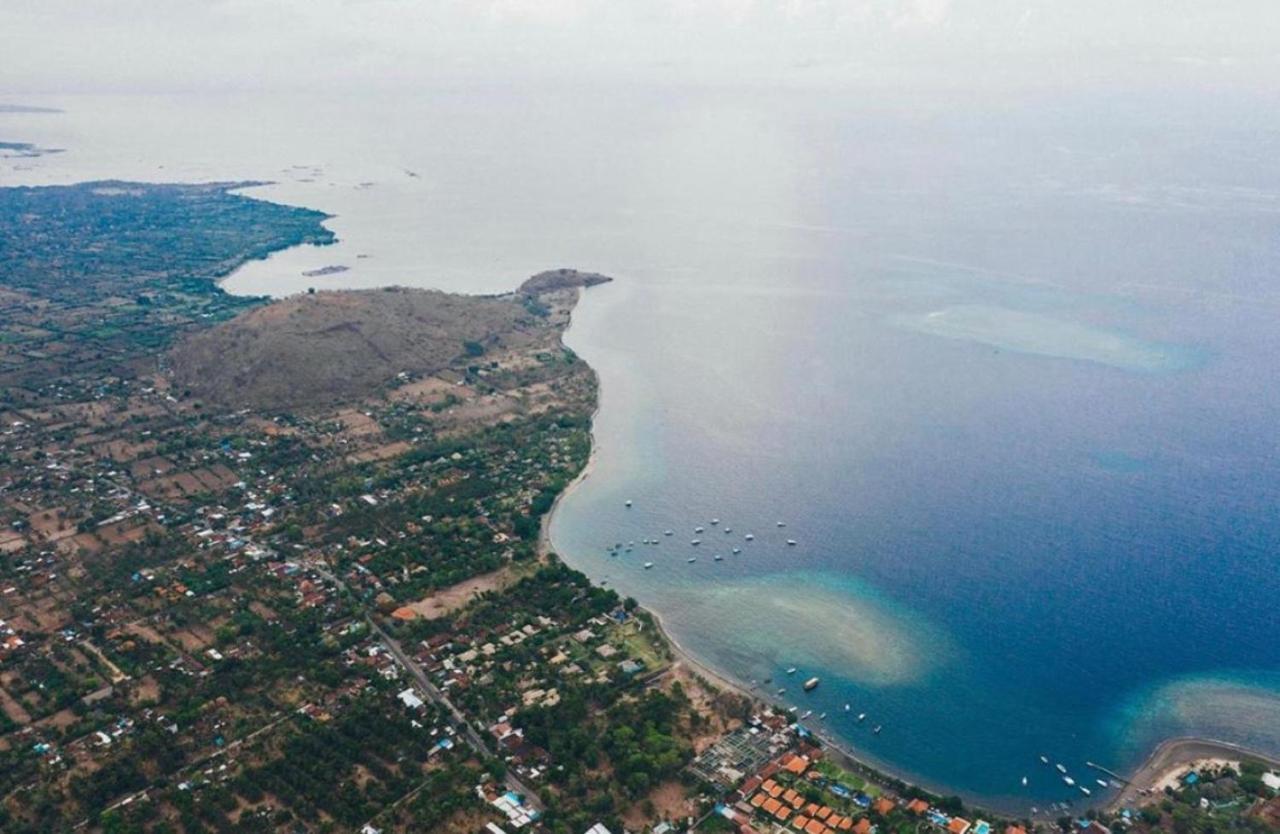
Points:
(1006, 369)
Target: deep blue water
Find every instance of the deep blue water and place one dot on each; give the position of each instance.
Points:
(1019, 413)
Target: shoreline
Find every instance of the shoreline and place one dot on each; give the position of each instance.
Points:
(698, 667)
(1174, 756)
(1170, 757)
(545, 545)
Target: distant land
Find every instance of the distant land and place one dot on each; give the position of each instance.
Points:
(26, 108)
(25, 150)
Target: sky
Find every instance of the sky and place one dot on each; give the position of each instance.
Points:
(73, 46)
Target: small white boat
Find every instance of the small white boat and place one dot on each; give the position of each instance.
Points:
(1085, 791)
(782, 690)
(782, 524)
(669, 532)
(696, 542)
(648, 565)
(822, 716)
(1102, 783)
(628, 502)
(791, 671)
(791, 542)
(847, 707)
(1060, 768)
(737, 550)
(878, 728)
(749, 537)
(697, 529)
(862, 716)
(1044, 759)
(692, 559)
(728, 530)
(719, 558)
(807, 713)
(1024, 781)
(714, 522)
(1068, 780)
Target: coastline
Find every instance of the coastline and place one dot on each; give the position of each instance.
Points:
(1169, 759)
(1174, 756)
(681, 655)
(545, 545)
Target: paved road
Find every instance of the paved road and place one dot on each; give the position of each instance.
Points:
(433, 692)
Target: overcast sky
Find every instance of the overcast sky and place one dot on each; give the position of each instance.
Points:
(63, 46)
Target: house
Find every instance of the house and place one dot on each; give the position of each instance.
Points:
(410, 699)
(959, 825)
(917, 806)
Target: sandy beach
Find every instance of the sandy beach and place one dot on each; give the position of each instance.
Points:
(1173, 758)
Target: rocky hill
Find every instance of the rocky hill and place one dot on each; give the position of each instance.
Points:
(318, 349)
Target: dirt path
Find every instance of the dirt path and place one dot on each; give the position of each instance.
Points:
(455, 597)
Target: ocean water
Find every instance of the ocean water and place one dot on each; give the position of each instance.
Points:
(1006, 370)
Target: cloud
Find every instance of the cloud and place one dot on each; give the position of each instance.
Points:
(139, 44)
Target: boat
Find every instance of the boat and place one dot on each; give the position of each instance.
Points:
(714, 522)
(846, 707)
(792, 710)
(696, 542)
(811, 684)
(693, 559)
(1044, 759)
(628, 502)
(749, 537)
(781, 690)
(648, 565)
(862, 716)
(878, 728)
(782, 524)
(737, 550)
(822, 716)
(1103, 783)
(791, 542)
(807, 713)
(719, 558)
(728, 530)
(1068, 780)
(1060, 768)
(697, 529)
(668, 532)
(1085, 791)
(1024, 781)
(791, 671)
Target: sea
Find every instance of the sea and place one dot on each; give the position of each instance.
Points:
(1007, 368)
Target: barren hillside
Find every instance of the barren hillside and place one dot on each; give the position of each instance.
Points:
(319, 349)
